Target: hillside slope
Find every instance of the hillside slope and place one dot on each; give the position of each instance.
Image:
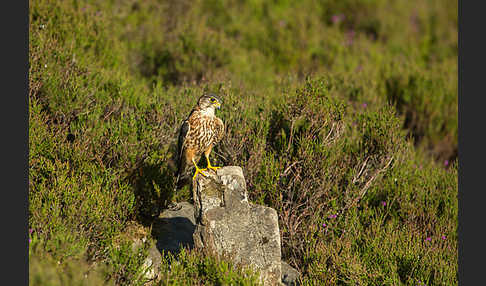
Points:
(342, 114)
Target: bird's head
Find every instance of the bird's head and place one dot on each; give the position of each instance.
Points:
(209, 101)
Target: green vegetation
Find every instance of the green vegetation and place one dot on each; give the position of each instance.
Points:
(341, 113)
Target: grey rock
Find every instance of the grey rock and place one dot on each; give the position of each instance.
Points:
(173, 229)
(151, 264)
(290, 275)
(228, 225)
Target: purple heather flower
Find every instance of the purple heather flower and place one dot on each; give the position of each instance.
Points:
(446, 163)
(350, 36)
(30, 231)
(383, 203)
(364, 105)
(30, 240)
(428, 239)
(443, 237)
(324, 225)
(333, 216)
(337, 18)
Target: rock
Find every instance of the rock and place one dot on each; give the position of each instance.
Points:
(290, 275)
(151, 264)
(227, 225)
(173, 229)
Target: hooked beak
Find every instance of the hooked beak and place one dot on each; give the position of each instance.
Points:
(218, 105)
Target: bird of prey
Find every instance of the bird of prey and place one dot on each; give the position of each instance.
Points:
(198, 135)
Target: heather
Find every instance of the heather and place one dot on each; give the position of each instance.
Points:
(342, 114)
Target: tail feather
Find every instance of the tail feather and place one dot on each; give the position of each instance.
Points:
(181, 162)
(181, 167)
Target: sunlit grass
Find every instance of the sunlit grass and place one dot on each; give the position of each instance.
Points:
(341, 113)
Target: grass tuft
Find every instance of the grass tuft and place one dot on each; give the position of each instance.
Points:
(342, 114)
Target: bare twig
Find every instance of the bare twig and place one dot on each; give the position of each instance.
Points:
(330, 132)
(289, 167)
(356, 177)
(366, 187)
(291, 135)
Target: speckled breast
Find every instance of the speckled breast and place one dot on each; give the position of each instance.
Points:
(203, 135)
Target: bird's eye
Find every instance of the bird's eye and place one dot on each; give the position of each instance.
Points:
(212, 99)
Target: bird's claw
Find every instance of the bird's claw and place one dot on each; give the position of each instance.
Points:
(214, 168)
(199, 171)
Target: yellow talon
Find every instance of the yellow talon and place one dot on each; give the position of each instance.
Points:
(211, 167)
(198, 170)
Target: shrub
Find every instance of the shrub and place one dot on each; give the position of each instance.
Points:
(341, 114)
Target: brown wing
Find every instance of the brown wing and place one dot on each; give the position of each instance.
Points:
(184, 130)
(218, 130)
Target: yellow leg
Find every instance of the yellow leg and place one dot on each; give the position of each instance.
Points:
(198, 170)
(209, 163)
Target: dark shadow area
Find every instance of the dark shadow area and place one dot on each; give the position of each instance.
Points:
(416, 121)
(173, 234)
(278, 132)
(173, 230)
(153, 184)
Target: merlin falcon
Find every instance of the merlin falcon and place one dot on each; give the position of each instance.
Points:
(198, 135)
